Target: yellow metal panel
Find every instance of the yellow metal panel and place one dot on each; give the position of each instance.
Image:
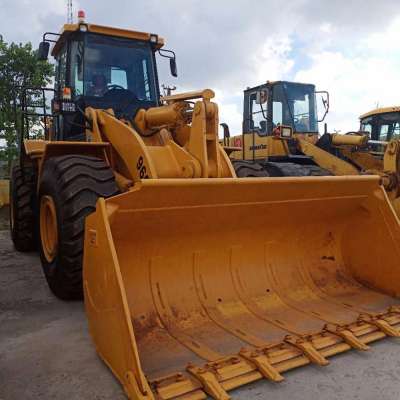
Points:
(257, 146)
(128, 145)
(349, 140)
(106, 303)
(180, 277)
(4, 192)
(365, 161)
(326, 160)
(206, 94)
(35, 148)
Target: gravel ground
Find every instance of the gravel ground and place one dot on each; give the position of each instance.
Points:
(46, 352)
(4, 218)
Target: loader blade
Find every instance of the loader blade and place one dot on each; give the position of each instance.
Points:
(195, 287)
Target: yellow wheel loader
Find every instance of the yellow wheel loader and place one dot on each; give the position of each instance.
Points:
(280, 133)
(280, 138)
(195, 281)
(374, 149)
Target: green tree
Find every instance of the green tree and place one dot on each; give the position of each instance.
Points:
(19, 66)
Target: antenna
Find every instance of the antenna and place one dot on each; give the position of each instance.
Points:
(69, 12)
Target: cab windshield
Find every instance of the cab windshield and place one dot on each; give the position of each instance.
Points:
(108, 69)
(382, 127)
(294, 105)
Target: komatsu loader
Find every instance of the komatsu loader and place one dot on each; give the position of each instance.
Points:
(195, 281)
(280, 135)
(281, 138)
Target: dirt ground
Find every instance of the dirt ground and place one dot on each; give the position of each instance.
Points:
(46, 352)
(4, 218)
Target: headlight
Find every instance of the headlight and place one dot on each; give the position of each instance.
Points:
(286, 132)
(153, 38)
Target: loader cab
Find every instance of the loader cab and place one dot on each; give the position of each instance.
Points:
(383, 124)
(105, 68)
(282, 103)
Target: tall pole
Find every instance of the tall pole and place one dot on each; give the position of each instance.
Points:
(69, 12)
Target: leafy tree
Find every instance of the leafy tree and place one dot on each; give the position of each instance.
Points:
(19, 67)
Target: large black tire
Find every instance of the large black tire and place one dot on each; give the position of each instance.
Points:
(72, 183)
(249, 169)
(22, 207)
(277, 169)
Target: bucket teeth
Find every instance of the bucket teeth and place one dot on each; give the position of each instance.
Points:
(209, 382)
(382, 325)
(348, 337)
(308, 350)
(394, 309)
(263, 364)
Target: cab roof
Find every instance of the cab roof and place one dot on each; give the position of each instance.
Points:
(273, 83)
(68, 29)
(382, 110)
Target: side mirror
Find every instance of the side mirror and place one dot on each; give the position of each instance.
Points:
(172, 60)
(261, 96)
(225, 127)
(172, 67)
(43, 51)
(325, 102)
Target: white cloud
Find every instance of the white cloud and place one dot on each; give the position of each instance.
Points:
(230, 110)
(26, 20)
(359, 78)
(326, 27)
(272, 61)
(385, 41)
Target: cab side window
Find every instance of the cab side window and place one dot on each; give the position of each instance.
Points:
(396, 130)
(258, 113)
(76, 79)
(61, 72)
(384, 132)
(366, 125)
(277, 113)
(389, 130)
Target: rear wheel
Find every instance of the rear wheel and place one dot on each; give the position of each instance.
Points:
(277, 169)
(69, 189)
(248, 169)
(22, 205)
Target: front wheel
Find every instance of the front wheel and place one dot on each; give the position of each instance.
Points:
(22, 205)
(69, 190)
(249, 169)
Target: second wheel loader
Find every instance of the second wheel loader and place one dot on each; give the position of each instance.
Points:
(195, 281)
(374, 149)
(280, 138)
(280, 133)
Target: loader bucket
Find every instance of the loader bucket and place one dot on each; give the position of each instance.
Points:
(195, 287)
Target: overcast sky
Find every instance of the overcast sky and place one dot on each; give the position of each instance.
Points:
(348, 47)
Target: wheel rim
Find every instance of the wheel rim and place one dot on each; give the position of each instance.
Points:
(48, 227)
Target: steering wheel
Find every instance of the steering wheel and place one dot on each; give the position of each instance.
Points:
(114, 86)
(119, 92)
